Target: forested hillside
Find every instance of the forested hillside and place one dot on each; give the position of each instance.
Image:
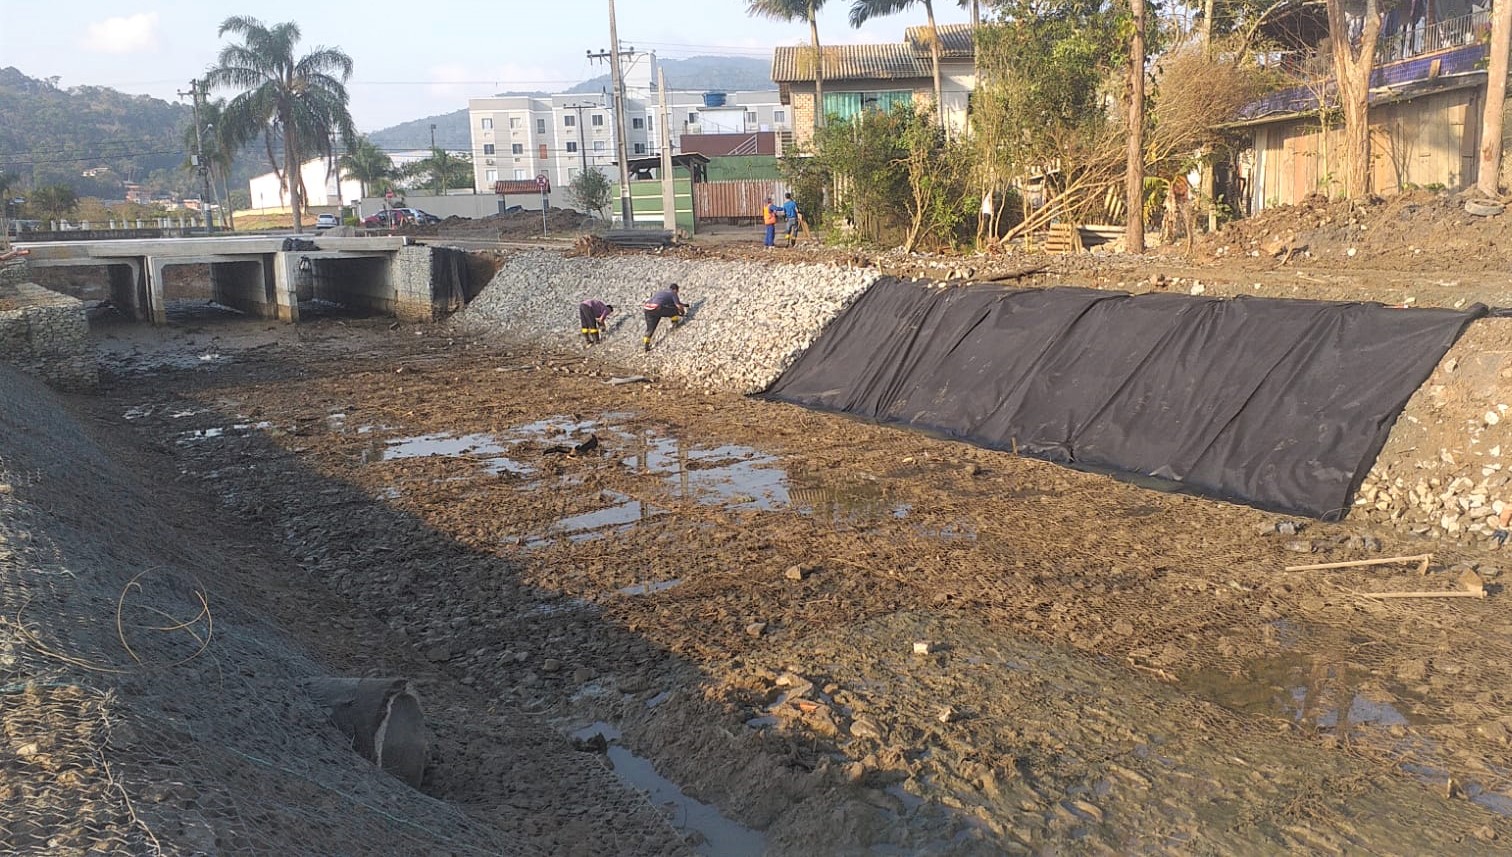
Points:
(53, 135)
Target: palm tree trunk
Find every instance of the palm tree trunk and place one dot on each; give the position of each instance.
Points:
(976, 14)
(292, 173)
(818, 70)
(934, 58)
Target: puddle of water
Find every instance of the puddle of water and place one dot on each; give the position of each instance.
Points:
(738, 477)
(722, 837)
(648, 588)
(444, 444)
(213, 432)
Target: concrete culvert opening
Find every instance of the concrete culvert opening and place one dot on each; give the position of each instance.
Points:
(382, 717)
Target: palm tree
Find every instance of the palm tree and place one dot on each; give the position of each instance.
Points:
(441, 170)
(799, 10)
(976, 12)
(862, 11)
(366, 163)
(216, 144)
(300, 102)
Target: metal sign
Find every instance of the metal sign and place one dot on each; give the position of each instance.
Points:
(389, 195)
(543, 183)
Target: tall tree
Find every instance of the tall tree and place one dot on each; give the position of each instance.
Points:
(799, 10)
(301, 102)
(1134, 177)
(1493, 127)
(1353, 63)
(862, 11)
(441, 171)
(366, 163)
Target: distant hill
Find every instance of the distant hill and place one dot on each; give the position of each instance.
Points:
(703, 73)
(698, 73)
(52, 135)
(451, 133)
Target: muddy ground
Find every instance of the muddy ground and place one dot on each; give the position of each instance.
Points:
(847, 638)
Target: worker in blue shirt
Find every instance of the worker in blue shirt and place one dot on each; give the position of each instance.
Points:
(790, 212)
(664, 304)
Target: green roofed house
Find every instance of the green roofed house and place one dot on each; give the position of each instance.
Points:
(877, 77)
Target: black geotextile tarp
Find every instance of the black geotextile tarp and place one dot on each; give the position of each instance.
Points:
(1281, 404)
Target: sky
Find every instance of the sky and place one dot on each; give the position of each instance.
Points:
(411, 59)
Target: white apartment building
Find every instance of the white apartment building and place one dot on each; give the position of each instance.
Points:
(517, 138)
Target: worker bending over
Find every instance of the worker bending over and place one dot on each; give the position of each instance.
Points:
(664, 304)
(593, 314)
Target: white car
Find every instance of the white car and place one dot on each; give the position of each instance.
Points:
(326, 221)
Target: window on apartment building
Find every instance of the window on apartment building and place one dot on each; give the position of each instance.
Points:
(572, 145)
(540, 126)
(848, 105)
(491, 176)
(638, 123)
(541, 152)
(650, 122)
(692, 118)
(519, 174)
(487, 124)
(779, 116)
(517, 149)
(488, 148)
(751, 118)
(640, 148)
(598, 145)
(569, 121)
(598, 120)
(514, 122)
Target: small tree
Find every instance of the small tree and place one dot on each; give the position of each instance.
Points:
(591, 191)
(54, 202)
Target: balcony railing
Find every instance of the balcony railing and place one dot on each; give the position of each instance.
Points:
(1453, 33)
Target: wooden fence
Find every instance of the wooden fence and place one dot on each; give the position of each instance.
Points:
(737, 202)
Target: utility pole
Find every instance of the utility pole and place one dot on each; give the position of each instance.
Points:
(1493, 127)
(436, 159)
(615, 73)
(669, 184)
(582, 143)
(199, 153)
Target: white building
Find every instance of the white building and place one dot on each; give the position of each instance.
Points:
(517, 138)
(322, 190)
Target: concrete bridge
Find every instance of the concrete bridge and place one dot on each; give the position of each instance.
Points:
(267, 276)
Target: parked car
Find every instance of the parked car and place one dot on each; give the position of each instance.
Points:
(387, 217)
(326, 221)
(422, 217)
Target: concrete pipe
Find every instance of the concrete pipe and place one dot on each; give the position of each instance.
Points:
(382, 718)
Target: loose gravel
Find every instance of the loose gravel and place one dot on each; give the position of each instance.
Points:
(748, 321)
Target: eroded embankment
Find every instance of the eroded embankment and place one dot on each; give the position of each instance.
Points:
(747, 322)
(146, 707)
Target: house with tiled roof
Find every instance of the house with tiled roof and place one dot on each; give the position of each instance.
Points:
(863, 77)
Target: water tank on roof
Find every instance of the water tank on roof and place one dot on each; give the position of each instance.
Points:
(714, 99)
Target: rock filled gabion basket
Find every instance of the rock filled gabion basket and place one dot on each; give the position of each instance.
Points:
(748, 321)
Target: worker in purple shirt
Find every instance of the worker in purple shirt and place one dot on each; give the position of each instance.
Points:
(592, 314)
(664, 304)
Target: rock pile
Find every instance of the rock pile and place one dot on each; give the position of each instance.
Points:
(748, 320)
(1446, 471)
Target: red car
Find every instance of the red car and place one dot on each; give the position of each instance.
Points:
(387, 217)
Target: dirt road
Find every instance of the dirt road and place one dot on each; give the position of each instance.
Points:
(848, 639)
